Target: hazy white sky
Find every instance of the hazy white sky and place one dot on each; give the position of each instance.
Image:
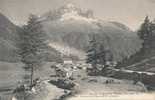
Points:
(129, 12)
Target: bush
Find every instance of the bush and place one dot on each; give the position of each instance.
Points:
(63, 83)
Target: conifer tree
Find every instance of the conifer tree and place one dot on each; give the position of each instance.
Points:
(102, 54)
(92, 56)
(145, 34)
(32, 44)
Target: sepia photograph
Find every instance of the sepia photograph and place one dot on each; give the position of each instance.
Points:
(77, 49)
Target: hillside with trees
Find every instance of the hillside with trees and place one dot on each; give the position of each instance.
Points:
(144, 58)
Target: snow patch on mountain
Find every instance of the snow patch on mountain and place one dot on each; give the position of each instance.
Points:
(67, 50)
(73, 14)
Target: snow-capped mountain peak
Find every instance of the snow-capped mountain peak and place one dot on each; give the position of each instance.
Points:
(70, 11)
(67, 12)
(74, 15)
(69, 7)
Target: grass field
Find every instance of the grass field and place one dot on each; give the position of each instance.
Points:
(10, 74)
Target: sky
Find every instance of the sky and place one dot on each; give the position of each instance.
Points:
(128, 12)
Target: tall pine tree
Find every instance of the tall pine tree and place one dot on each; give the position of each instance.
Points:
(96, 53)
(32, 44)
(102, 54)
(145, 34)
(152, 37)
(92, 56)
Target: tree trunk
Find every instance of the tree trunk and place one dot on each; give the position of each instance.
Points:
(31, 76)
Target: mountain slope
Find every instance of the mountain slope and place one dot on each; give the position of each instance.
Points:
(73, 27)
(8, 36)
(9, 39)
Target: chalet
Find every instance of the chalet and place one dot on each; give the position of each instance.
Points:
(67, 60)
